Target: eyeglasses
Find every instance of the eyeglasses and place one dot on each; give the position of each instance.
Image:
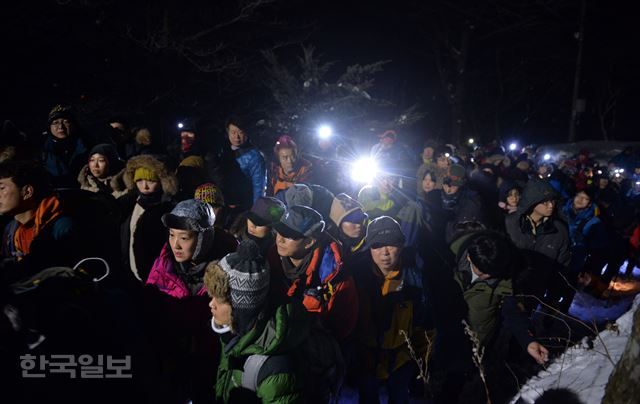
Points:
(61, 122)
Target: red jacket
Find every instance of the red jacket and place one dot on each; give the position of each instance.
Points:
(323, 287)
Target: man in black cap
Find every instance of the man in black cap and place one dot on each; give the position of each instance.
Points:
(310, 270)
(391, 303)
(63, 151)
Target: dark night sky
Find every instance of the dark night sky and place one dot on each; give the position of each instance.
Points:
(74, 51)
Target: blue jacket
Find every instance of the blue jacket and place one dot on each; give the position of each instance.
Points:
(63, 159)
(587, 233)
(244, 175)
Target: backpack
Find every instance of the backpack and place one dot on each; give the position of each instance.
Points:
(318, 360)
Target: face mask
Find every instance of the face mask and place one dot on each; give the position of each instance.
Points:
(219, 329)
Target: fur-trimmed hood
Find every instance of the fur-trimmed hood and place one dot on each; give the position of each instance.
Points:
(89, 182)
(167, 179)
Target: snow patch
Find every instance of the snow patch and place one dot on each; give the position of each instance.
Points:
(583, 370)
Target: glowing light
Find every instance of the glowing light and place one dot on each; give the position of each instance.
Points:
(364, 170)
(547, 157)
(447, 155)
(325, 132)
(513, 146)
(600, 172)
(621, 170)
(180, 125)
(471, 140)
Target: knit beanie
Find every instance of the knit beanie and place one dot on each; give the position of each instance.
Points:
(197, 216)
(210, 194)
(248, 284)
(109, 152)
(60, 111)
(192, 161)
(299, 194)
(145, 173)
(344, 207)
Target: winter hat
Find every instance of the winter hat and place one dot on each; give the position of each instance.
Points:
(144, 173)
(442, 150)
(248, 283)
(535, 192)
(192, 161)
(298, 194)
(384, 231)
(210, 194)
(345, 207)
(188, 125)
(111, 154)
(60, 111)
(143, 136)
(193, 215)
(456, 175)
(285, 142)
(300, 222)
(266, 211)
(590, 192)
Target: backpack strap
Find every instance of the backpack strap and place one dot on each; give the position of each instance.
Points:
(258, 367)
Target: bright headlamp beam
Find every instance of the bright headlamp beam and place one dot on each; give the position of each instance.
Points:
(180, 125)
(364, 170)
(547, 156)
(325, 132)
(513, 146)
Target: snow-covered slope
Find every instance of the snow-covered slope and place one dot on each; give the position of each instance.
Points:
(581, 369)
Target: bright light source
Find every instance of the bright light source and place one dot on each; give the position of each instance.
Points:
(473, 160)
(513, 146)
(621, 170)
(180, 125)
(364, 170)
(547, 156)
(447, 155)
(617, 175)
(637, 182)
(325, 132)
(600, 172)
(471, 140)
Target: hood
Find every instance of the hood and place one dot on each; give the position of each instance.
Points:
(167, 180)
(535, 192)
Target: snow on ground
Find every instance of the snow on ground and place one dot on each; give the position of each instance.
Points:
(601, 151)
(581, 369)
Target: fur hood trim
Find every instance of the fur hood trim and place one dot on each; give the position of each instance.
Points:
(167, 179)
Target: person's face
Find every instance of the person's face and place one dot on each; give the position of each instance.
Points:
(183, 244)
(387, 257)
(257, 231)
(221, 311)
(545, 209)
(581, 201)
(513, 198)
(237, 137)
(442, 162)
(603, 182)
(287, 158)
(450, 189)
(187, 139)
(98, 165)
(351, 230)
(61, 128)
(11, 197)
(428, 183)
(291, 248)
(147, 187)
(427, 153)
(386, 185)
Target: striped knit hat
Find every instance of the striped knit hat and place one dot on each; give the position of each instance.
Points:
(210, 194)
(248, 284)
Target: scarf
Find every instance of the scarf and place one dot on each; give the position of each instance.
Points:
(192, 276)
(147, 201)
(48, 211)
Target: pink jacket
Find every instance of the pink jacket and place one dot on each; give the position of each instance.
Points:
(166, 280)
